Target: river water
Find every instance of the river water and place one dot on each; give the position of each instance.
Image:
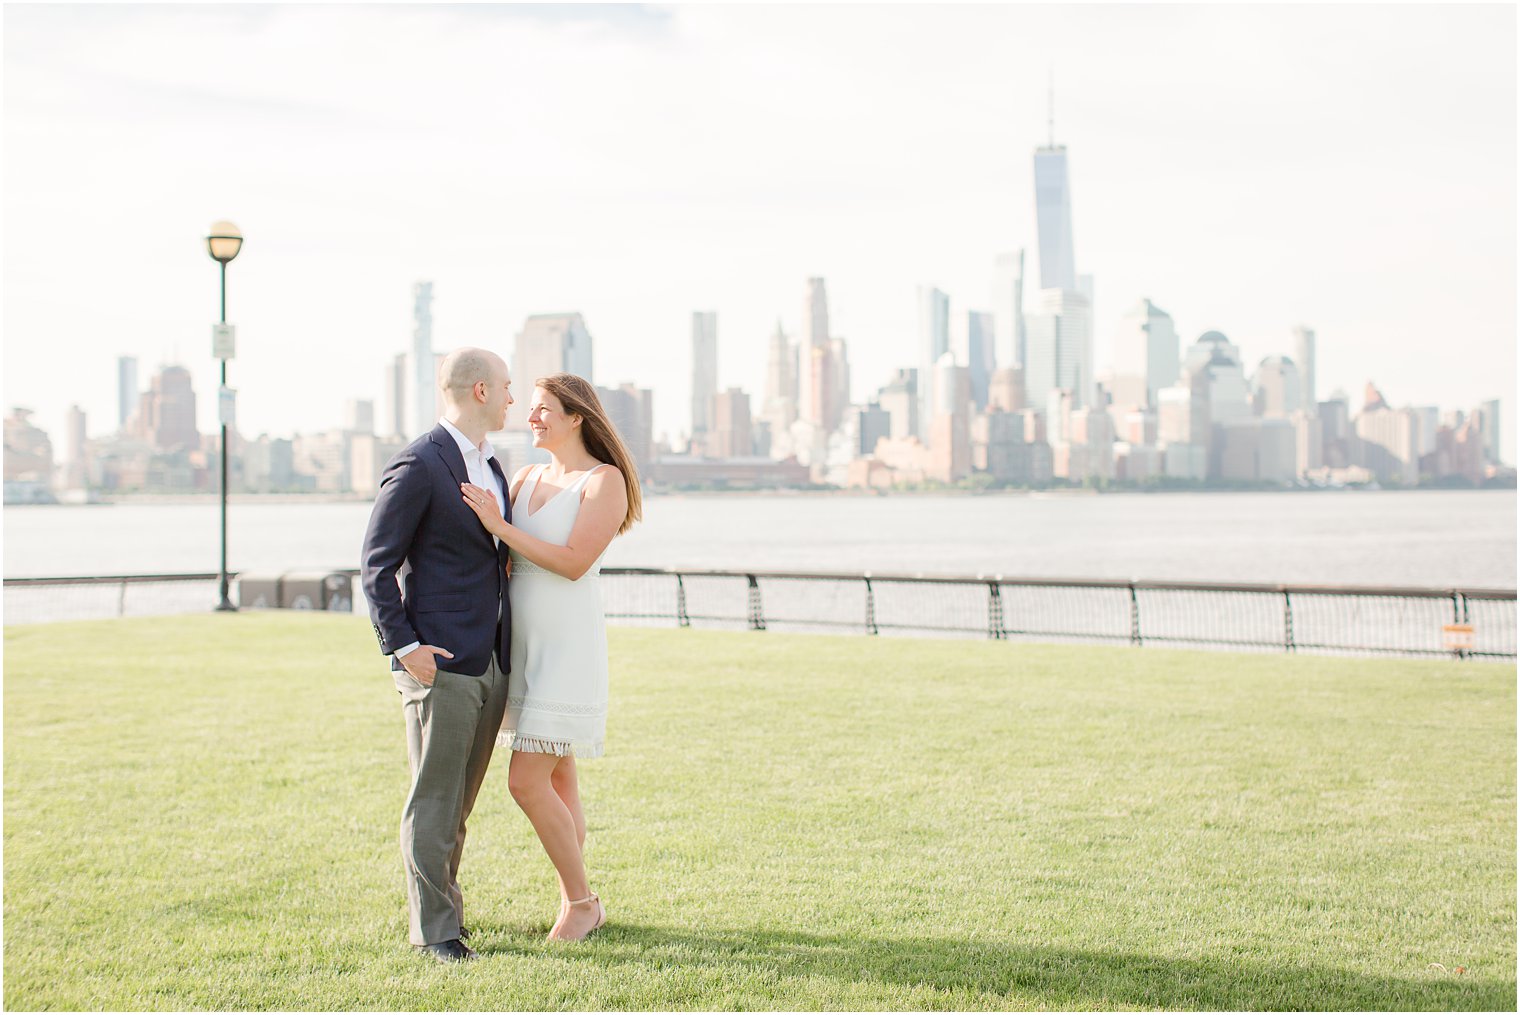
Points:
(1426, 538)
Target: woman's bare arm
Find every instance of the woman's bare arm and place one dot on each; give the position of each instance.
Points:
(604, 504)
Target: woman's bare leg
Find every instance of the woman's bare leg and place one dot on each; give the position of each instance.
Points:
(567, 788)
(529, 777)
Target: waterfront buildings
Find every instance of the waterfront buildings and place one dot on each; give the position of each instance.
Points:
(28, 460)
(1388, 440)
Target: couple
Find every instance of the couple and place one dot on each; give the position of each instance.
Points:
(477, 657)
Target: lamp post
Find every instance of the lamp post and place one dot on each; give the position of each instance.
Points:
(223, 244)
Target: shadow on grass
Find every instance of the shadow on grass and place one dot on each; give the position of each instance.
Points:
(1047, 977)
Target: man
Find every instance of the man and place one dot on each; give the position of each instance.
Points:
(437, 589)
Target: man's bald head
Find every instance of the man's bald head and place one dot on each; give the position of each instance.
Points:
(464, 368)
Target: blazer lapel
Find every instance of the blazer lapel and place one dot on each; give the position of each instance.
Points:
(506, 491)
(448, 450)
(502, 553)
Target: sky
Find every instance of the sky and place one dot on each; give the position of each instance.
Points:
(1246, 168)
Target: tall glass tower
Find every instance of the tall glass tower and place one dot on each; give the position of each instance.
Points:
(1052, 206)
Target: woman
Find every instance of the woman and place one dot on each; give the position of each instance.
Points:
(565, 513)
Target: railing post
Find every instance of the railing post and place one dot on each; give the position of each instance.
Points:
(995, 629)
(1288, 645)
(121, 601)
(681, 618)
(756, 607)
(870, 607)
(1466, 653)
(1134, 616)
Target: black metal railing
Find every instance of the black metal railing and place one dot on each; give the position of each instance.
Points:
(42, 600)
(1351, 619)
(1343, 619)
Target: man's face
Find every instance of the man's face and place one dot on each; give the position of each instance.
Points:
(498, 396)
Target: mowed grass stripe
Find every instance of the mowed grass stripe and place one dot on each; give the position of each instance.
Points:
(200, 812)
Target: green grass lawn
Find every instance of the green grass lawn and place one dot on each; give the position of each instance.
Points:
(201, 812)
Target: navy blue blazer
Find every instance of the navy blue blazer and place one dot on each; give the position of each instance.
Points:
(455, 587)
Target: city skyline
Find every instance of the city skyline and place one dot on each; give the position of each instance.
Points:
(335, 284)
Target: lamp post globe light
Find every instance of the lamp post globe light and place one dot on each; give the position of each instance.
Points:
(223, 243)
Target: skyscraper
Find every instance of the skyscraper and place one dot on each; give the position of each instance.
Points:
(839, 378)
(1303, 355)
(780, 375)
(631, 410)
(550, 344)
(1059, 350)
(1277, 388)
(899, 398)
(1052, 205)
(1493, 437)
(126, 389)
(933, 342)
(395, 398)
(1145, 355)
(704, 370)
(422, 380)
(1215, 357)
(1058, 345)
(77, 476)
(359, 415)
(779, 410)
(730, 434)
(979, 354)
(950, 430)
(1008, 308)
(169, 411)
(814, 382)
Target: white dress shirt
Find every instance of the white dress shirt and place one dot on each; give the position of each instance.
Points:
(480, 473)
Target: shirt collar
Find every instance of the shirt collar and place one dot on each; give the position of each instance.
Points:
(465, 447)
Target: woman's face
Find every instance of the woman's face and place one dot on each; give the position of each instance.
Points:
(548, 422)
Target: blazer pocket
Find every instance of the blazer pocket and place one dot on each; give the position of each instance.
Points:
(443, 602)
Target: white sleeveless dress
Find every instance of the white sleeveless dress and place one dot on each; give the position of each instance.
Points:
(557, 690)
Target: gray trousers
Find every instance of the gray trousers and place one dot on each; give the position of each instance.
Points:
(451, 730)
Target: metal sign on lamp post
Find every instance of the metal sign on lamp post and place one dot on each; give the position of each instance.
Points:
(223, 244)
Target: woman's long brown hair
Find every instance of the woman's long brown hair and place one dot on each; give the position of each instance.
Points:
(578, 398)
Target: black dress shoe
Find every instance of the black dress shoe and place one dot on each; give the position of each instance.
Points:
(448, 951)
